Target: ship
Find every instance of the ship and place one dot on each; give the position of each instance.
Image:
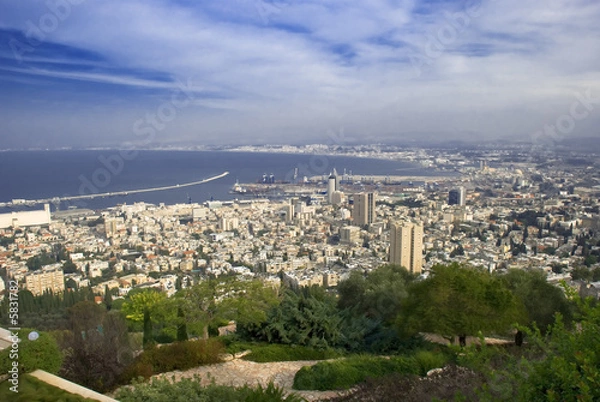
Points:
(237, 188)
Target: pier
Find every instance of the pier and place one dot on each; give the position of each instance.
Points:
(56, 200)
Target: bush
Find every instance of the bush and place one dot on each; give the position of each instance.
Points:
(265, 352)
(427, 360)
(452, 384)
(190, 390)
(165, 336)
(176, 356)
(345, 373)
(43, 354)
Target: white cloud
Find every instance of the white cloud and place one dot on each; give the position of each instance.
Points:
(304, 66)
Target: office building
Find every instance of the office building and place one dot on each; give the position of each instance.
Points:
(457, 196)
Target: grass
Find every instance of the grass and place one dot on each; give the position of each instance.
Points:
(267, 352)
(32, 389)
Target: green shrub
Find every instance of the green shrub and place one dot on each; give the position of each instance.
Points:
(43, 354)
(166, 335)
(427, 360)
(345, 373)
(270, 394)
(327, 376)
(175, 356)
(265, 352)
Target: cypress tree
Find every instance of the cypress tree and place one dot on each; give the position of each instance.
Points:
(147, 328)
(107, 298)
(181, 326)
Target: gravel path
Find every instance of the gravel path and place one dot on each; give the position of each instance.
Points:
(241, 372)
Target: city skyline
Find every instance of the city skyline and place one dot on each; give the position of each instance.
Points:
(138, 74)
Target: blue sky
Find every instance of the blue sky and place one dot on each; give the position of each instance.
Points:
(151, 72)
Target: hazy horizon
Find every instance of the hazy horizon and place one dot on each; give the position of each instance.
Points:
(122, 74)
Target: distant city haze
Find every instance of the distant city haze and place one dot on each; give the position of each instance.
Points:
(145, 74)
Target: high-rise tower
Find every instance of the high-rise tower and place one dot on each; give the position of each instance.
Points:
(332, 186)
(456, 196)
(406, 246)
(364, 209)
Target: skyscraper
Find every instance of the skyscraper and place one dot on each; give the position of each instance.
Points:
(332, 186)
(406, 246)
(364, 209)
(456, 196)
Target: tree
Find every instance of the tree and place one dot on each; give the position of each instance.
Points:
(558, 268)
(107, 298)
(581, 273)
(38, 261)
(69, 267)
(249, 309)
(5, 241)
(596, 274)
(181, 326)
(379, 295)
(541, 300)
(590, 260)
(71, 284)
(459, 250)
(561, 365)
(459, 300)
(224, 299)
(97, 350)
(140, 308)
(308, 317)
(369, 306)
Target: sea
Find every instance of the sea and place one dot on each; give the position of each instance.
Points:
(47, 174)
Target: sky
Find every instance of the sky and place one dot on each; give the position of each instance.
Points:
(150, 73)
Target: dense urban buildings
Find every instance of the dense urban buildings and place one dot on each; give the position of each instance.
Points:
(518, 216)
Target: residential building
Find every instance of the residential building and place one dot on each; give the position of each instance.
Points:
(406, 246)
(350, 234)
(364, 208)
(50, 277)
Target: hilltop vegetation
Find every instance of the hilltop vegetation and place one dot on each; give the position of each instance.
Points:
(380, 313)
